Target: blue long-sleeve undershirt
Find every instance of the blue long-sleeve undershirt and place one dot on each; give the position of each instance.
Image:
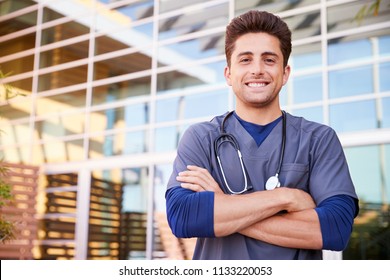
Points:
(191, 214)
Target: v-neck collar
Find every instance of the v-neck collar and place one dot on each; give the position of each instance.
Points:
(248, 145)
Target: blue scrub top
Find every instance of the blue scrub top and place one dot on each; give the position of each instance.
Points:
(314, 161)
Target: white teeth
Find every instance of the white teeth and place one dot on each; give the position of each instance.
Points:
(257, 84)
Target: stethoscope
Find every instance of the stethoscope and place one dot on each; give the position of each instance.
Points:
(272, 182)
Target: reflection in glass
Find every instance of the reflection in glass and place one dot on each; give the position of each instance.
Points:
(134, 212)
(167, 138)
(60, 125)
(131, 36)
(121, 65)
(306, 56)
(350, 51)
(274, 6)
(137, 10)
(384, 76)
(17, 66)
(15, 110)
(14, 134)
(340, 82)
(193, 21)
(60, 103)
(368, 187)
(64, 54)
(191, 76)
(304, 25)
(62, 32)
(60, 151)
(63, 78)
(26, 42)
(307, 88)
(191, 50)
(343, 17)
(18, 23)
(384, 45)
(122, 90)
(354, 116)
(311, 113)
(385, 122)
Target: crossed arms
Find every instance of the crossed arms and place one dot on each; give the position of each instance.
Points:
(258, 215)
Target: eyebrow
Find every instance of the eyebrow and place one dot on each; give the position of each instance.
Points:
(262, 54)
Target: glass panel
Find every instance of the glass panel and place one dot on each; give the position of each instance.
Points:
(18, 89)
(123, 90)
(122, 143)
(49, 15)
(134, 212)
(306, 57)
(353, 116)
(206, 104)
(15, 110)
(121, 65)
(314, 114)
(347, 16)
(60, 103)
(59, 151)
(274, 6)
(194, 21)
(18, 44)
(307, 88)
(192, 50)
(63, 78)
(367, 187)
(304, 25)
(64, 54)
(167, 138)
(61, 125)
(18, 23)
(16, 154)
(137, 10)
(384, 74)
(14, 134)
(107, 120)
(133, 36)
(384, 45)
(170, 5)
(340, 82)
(350, 51)
(385, 122)
(18, 66)
(371, 228)
(9, 6)
(63, 31)
(193, 76)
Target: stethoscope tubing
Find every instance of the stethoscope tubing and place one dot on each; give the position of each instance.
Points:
(228, 137)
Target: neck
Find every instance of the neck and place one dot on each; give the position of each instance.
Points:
(260, 116)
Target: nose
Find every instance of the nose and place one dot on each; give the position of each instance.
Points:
(257, 68)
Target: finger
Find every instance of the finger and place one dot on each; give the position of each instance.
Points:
(192, 187)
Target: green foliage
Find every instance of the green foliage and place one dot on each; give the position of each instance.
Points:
(367, 10)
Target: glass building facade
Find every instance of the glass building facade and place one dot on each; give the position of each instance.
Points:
(106, 88)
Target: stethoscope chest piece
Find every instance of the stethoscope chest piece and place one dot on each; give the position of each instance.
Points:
(272, 183)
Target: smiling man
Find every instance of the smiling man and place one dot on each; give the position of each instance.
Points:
(257, 182)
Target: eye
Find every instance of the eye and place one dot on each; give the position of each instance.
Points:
(269, 60)
(245, 60)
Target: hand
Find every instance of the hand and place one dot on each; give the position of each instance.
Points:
(299, 200)
(198, 179)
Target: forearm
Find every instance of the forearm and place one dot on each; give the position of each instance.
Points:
(233, 213)
(294, 230)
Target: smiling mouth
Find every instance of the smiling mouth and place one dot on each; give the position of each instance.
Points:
(256, 85)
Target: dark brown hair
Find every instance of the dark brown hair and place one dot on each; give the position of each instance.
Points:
(255, 22)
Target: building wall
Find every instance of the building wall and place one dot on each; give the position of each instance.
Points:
(106, 89)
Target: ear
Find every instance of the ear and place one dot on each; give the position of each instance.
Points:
(286, 74)
(227, 75)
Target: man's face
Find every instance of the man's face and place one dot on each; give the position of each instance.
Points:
(256, 73)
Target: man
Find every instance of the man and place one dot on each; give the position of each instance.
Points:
(234, 204)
